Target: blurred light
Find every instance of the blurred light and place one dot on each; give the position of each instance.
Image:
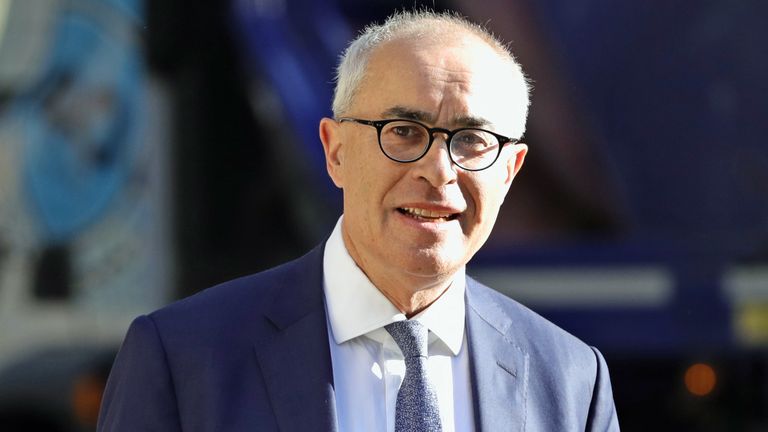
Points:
(700, 379)
(5, 6)
(86, 399)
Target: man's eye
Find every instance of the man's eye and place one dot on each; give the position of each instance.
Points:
(405, 131)
(470, 139)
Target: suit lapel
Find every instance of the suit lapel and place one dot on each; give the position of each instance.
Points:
(296, 362)
(499, 368)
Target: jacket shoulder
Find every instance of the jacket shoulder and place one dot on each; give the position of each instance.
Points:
(240, 305)
(567, 379)
(530, 331)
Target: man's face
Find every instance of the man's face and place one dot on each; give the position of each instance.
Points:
(422, 221)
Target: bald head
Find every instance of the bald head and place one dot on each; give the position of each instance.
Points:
(422, 28)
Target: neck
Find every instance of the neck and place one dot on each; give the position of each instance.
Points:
(409, 293)
(413, 301)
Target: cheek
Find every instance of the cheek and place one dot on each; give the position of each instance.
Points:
(487, 196)
(368, 183)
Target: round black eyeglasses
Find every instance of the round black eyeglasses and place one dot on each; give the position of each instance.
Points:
(406, 141)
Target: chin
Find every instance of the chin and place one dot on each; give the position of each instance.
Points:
(432, 264)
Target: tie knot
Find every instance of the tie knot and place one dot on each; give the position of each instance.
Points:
(410, 336)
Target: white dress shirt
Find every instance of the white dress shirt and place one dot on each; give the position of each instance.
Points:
(368, 365)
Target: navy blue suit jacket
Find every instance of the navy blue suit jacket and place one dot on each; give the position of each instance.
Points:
(253, 355)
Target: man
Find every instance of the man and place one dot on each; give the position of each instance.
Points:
(379, 329)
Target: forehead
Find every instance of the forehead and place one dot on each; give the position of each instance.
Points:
(450, 76)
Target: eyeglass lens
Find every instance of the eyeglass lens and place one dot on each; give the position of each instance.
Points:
(407, 141)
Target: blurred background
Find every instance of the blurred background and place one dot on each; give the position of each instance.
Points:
(150, 149)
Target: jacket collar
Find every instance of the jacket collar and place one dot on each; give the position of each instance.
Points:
(296, 361)
(498, 366)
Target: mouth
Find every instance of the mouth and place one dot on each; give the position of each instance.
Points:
(428, 215)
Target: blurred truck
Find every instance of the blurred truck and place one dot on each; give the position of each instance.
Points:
(84, 244)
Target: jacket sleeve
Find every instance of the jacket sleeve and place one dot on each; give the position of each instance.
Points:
(140, 393)
(602, 410)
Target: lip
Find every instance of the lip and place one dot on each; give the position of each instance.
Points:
(433, 207)
(429, 213)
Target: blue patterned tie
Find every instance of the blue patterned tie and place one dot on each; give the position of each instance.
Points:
(416, 409)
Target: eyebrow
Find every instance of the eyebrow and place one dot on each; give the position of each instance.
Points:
(402, 112)
(406, 113)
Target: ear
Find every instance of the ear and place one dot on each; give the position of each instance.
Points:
(515, 161)
(330, 135)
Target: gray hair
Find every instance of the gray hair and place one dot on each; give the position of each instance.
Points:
(354, 61)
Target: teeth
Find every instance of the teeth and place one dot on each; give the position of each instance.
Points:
(425, 213)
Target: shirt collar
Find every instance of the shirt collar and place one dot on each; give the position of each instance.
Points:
(356, 307)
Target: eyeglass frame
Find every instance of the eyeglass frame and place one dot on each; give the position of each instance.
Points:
(379, 125)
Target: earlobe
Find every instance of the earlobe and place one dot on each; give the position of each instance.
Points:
(330, 136)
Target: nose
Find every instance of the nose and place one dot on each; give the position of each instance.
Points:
(436, 166)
